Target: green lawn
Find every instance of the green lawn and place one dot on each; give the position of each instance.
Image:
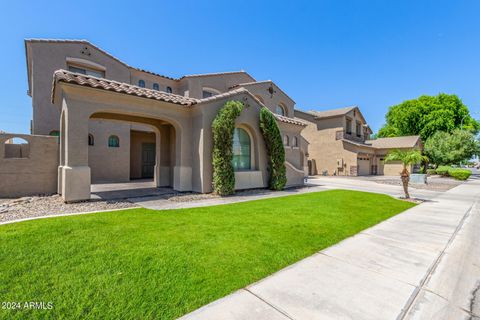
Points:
(145, 264)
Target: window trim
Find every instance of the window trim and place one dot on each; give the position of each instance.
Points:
(347, 119)
(284, 109)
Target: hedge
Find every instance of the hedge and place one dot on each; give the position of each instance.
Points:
(460, 174)
(275, 150)
(223, 127)
(456, 173)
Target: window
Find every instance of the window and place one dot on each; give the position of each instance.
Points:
(54, 133)
(286, 140)
(113, 142)
(141, 83)
(91, 140)
(169, 90)
(16, 148)
(207, 94)
(156, 86)
(358, 129)
(295, 142)
(86, 71)
(280, 110)
(348, 128)
(241, 150)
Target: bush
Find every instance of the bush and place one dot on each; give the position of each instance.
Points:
(431, 171)
(222, 128)
(275, 150)
(459, 174)
(443, 170)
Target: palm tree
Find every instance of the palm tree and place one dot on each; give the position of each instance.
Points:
(407, 158)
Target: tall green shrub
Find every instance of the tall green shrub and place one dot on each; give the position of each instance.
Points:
(222, 127)
(275, 150)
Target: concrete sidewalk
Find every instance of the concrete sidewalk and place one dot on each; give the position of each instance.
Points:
(421, 264)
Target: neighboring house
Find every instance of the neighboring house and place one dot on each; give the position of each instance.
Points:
(118, 123)
(340, 144)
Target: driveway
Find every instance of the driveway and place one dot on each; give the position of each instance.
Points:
(421, 264)
(364, 184)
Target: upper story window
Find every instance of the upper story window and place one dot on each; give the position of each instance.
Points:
(141, 83)
(358, 129)
(169, 90)
(87, 71)
(295, 142)
(113, 142)
(348, 126)
(209, 92)
(156, 86)
(241, 150)
(286, 140)
(279, 109)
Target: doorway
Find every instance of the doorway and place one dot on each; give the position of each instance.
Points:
(148, 160)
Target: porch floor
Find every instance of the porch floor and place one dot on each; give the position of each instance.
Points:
(124, 190)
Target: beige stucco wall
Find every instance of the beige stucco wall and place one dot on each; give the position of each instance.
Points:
(260, 90)
(36, 174)
(109, 164)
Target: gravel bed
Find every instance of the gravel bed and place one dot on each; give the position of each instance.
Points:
(28, 207)
(434, 183)
(190, 196)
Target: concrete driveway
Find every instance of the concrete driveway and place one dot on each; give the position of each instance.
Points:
(370, 186)
(421, 264)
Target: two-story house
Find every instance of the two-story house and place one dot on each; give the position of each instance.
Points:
(116, 122)
(340, 144)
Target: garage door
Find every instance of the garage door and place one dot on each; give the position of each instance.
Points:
(363, 164)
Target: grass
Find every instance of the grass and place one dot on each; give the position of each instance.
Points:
(145, 264)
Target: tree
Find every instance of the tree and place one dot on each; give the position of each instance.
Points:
(407, 158)
(223, 127)
(275, 150)
(444, 148)
(426, 115)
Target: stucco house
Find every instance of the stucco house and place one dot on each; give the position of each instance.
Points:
(115, 123)
(340, 144)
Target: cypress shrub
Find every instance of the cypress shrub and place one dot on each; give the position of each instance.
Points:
(222, 127)
(275, 150)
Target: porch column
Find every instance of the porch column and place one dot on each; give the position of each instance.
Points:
(75, 171)
(182, 172)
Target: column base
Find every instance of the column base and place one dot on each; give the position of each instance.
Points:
(182, 178)
(76, 183)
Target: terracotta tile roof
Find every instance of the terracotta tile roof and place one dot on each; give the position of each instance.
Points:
(290, 120)
(126, 88)
(215, 74)
(394, 142)
(119, 87)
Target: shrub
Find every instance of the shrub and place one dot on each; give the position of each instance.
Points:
(222, 128)
(459, 174)
(443, 170)
(431, 171)
(275, 150)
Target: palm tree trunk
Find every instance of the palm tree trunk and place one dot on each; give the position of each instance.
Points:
(405, 180)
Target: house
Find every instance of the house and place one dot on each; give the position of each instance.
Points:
(340, 144)
(116, 123)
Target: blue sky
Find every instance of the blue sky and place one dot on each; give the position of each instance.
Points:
(324, 54)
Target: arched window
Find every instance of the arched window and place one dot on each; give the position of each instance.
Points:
(280, 110)
(91, 140)
(113, 142)
(286, 140)
(241, 150)
(141, 83)
(169, 90)
(55, 133)
(17, 148)
(295, 142)
(156, 86)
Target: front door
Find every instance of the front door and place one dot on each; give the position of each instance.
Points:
(148, 160)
